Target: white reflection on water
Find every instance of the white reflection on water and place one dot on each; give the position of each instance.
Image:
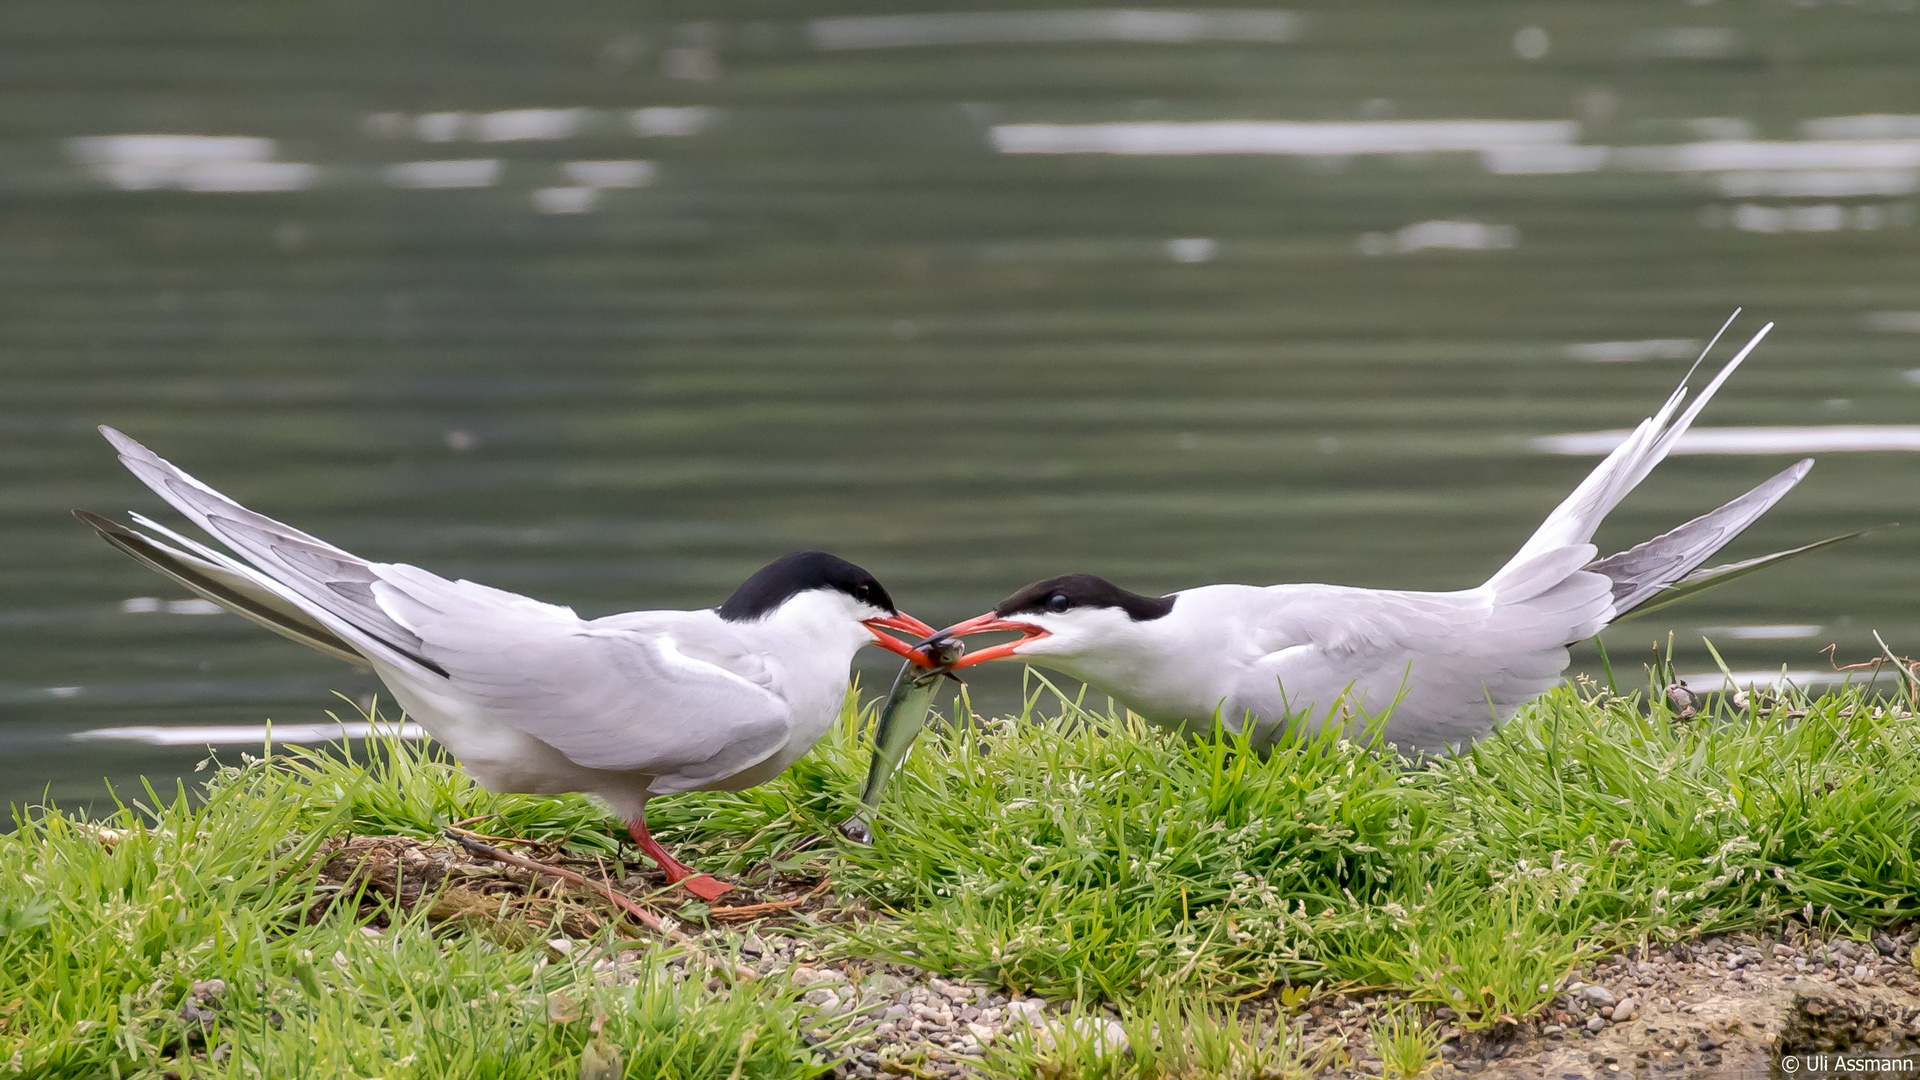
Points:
(1775, 678)
(534, 125)
(1866, 126)
(609, 174)
(1897, 322)
(472, 173)
(1192, 249)
(672, 120)
(1725, 156)
(1301, 139)
(213, 163)
(517, 125)
(1457, 235)
(1012, 27)
(245, 734)
(565, 200)
(1542, 160)
(1839, 438)
(1764, 631)
(1619, 352)
(1827, 183)
(1688, 43)
(1814, 217)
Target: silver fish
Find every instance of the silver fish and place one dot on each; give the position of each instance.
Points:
(900, 721)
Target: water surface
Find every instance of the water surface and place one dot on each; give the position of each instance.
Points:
(610, 305)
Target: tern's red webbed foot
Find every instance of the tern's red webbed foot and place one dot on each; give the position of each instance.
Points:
(701, 885)
(705, 886)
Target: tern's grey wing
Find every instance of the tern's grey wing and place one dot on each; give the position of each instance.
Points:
(1449, 665)
(1645, 570)
(332, 585)
(238, 588)
(622, 700)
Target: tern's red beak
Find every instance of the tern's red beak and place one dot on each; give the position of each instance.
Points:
(981, 624)
(906, 624)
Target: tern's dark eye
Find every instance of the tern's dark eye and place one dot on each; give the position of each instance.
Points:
(1058, 603)
(863, 593)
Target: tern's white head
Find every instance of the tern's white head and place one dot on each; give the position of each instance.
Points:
(816, 585)
(1065, 618)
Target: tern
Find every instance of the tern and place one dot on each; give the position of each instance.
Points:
(1450, 666)
(528, 696)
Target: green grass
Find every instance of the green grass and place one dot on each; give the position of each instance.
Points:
(1079, 855)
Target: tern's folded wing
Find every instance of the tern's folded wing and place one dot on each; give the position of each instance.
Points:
(613, 699)
(1449, 665)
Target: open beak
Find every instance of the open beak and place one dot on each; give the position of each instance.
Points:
(981, 624)
(906, 624)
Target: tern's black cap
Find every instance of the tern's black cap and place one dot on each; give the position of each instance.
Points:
(802, 571)
(1082, 590)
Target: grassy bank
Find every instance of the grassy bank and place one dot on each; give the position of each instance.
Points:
(1075, 855)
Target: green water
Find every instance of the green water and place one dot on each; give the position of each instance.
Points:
(834, 315)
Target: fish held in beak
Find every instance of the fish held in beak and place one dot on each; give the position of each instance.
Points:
(901, 719)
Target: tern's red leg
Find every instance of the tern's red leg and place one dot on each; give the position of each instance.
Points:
(678, 873)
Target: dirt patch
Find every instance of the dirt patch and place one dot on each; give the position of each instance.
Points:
(459, 890)
(1722, 1006)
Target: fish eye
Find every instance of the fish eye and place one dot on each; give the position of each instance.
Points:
(1058, 603)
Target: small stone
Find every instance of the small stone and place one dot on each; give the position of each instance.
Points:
(1597, 995)
(1625, 1009)
(822, 998)
(982, 1034)
(1027, 1010)
(208, 989)
(1596, 1024)
(884, 984)
(1554, 1029)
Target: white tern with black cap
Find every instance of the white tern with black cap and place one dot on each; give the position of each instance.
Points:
(529, 696)
(1448, 665)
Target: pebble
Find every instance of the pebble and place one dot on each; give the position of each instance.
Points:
(1597, 995)
(1596, 1024)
